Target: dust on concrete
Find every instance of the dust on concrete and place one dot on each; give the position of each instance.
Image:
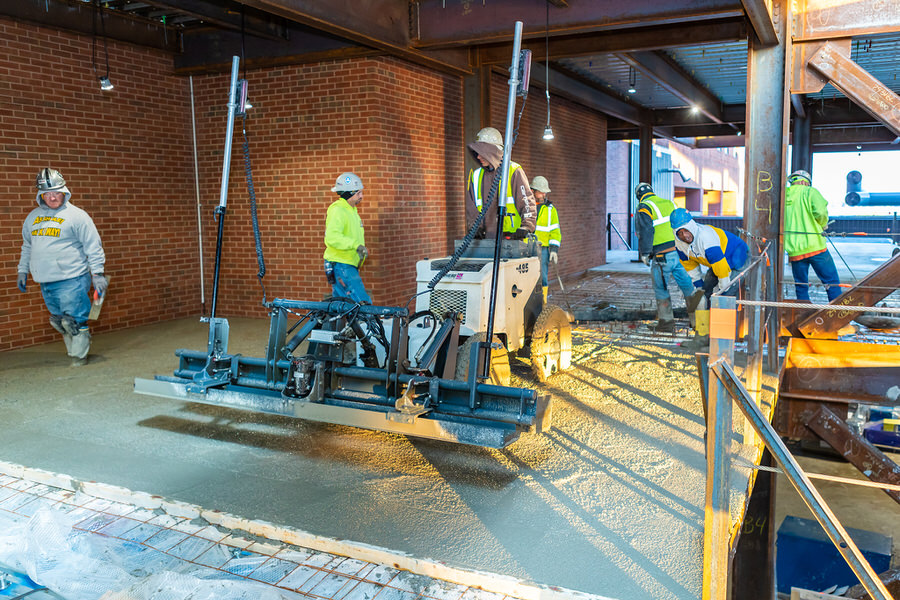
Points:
(609, 501)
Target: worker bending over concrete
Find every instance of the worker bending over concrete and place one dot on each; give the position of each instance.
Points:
(62, 250)
(805, 218)
(487, 149)
(656, 247)
(345, 242)
(724, 253)
(547, 229)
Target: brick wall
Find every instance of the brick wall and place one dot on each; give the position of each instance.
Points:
(126, 157)
(618, 194)
(574, 164)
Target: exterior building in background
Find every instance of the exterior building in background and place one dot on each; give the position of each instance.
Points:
(705, 181)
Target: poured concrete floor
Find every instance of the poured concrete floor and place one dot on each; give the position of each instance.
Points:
(610, 501)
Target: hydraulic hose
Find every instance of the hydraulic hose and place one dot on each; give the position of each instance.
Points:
(248, 173)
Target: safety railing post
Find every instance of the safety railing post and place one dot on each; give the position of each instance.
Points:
(722, 371)
(717, 529)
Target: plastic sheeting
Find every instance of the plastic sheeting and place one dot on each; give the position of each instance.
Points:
(83, 565)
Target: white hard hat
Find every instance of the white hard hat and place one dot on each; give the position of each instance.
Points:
(800, 175)
(347, 182)
(491, 136)
(540, 184)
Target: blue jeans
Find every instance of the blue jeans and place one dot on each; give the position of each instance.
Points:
(545, 266)
(823, 265)
(69, 297)
(672, 266)
(348, 283)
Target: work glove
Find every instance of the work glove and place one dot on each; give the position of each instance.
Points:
(363, 252)
(645, 258)
(554, 257)
(723, 285)
(100, 283)
(21, 281)
(519, 234)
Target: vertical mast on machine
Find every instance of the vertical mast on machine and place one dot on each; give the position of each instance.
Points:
(514, 83)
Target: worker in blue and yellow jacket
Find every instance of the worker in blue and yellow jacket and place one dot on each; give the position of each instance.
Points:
(723, 252)
(546, 229)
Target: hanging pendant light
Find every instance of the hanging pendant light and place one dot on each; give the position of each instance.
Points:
(548, 131)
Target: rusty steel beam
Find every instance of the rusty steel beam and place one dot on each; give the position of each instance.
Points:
(875, 286)
(210, 51)
(828, 19)
(440, 24)
(251, 22)
(381, 24)
(570, 85)
(834, 371)
(79, 17)
(760, 14)
(670, 76)
(624, 40)
(857, 450)
(858, 85)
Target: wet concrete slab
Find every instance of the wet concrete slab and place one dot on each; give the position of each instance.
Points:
(609, 502)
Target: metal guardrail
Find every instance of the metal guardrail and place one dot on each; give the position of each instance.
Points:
(850, 226)
(721, 387)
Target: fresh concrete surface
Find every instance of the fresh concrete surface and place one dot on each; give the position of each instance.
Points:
(610, 501)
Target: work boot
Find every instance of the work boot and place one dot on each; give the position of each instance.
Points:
(693, 301)
(80, 346)
(666, 326)
(545, 290)
(665, 315)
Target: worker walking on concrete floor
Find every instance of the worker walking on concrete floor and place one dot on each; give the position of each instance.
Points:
(723, 252)
(63, 252)
(805, 218)
(487, 149)
(345, 243)
(547, 229)
(656, 247)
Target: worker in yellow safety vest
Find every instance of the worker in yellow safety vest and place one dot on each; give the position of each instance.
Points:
(656, 248)
(546, 229)
(487, 149)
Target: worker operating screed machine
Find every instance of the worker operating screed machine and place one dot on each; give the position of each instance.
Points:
(423, 381)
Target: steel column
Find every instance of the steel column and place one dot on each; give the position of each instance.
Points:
(753, 575)
(767, 128)
(801, 144)
(645, 150)
(719, 426)
(823, 514)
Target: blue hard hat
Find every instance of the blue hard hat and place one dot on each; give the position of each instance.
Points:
(679, 218)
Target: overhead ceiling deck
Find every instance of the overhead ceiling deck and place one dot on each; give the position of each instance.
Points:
(686, 59)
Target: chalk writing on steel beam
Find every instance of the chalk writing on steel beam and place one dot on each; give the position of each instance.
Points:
(763, 185)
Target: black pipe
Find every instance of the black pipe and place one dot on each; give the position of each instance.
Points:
(220, 215)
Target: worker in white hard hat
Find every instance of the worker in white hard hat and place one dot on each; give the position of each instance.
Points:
(805, 218)
(487, 149)
(656, 248)
(546, 229)
(63, 252)
(345, 242)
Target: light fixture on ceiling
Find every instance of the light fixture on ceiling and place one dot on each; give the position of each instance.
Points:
(694, 109)
(548, 131)
(632, 80)
(105, 83)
